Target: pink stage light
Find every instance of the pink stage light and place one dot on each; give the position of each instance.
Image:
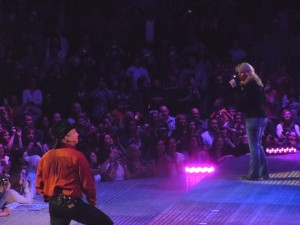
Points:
(281, 150)
(199, 169)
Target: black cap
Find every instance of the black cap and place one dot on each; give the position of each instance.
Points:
(60, 129)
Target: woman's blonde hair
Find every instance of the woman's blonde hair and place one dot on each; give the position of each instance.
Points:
(247, 69)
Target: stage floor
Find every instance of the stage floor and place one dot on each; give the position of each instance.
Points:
(213, 199)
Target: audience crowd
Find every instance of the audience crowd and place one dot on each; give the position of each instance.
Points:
(144, 82)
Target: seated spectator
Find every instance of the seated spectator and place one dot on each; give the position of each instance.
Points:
(136, 71)
(216, 152)
(161, 159)
(238, 129)
(188, 96)
(192, 129)
(231, 110)
(177, 159)
(21, 189)
(44, 125)
(32, 146)
(101, 99)
(28, 122)
(122, 96)
(111, 159)
(167, 118)
(230, 147)
(197, 153)
(136, 166)
(154, 121)
(155, 94)
(13, 141)
(286, 126)
(94, 165)
(196, 117)
(131, 134)
(270, 141)
(181, 131)
(4, 188)
(292, 139)
(209, 135)
(13, 108)
(4, 159)
(291, 101)
(114, 167)
(56, 118)
(105, 145)
(31, 163)
(5, 119)
(243, 147)
(219, 111)
(33, 96)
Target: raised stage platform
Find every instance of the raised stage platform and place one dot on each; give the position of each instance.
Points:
(213, 199)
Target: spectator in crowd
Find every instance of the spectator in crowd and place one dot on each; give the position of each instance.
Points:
(122, 96)
(81, 94)
(193, 129)
(31, 145)
(197, 153)
(177, 159)
(237, 53)
(135, 72)
(219, 111)
(138, 168)
(161, 159)
(33, 96)
(4, 188)
(181, 131)
(114, 166)
(230, 147)
(188, 96)
(196, 117)
(4, 159)
(23, 192)
(272, 102)
(286, 126)
(94, 165)
(209, 135)
(11, 141)
(44, 124)
(156, 94)
(102, 99)
(217, 150)
(5, 119)
(291, 101)
(243, 146)
(167, 118)
(27, 122)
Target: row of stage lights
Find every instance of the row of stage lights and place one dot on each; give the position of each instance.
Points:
(199, 169)
(280, 150)
(211, 169)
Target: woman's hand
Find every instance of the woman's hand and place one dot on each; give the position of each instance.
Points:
(7, 186)
(19, 132)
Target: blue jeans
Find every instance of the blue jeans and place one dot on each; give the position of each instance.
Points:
(258, 162)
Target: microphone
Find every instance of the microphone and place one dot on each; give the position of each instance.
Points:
(234, 81)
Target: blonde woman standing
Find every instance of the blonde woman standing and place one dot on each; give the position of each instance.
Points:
(252, 104)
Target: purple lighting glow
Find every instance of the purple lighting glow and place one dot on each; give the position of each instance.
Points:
(199, 169)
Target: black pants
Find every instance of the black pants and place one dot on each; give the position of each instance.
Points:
(62, 211)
